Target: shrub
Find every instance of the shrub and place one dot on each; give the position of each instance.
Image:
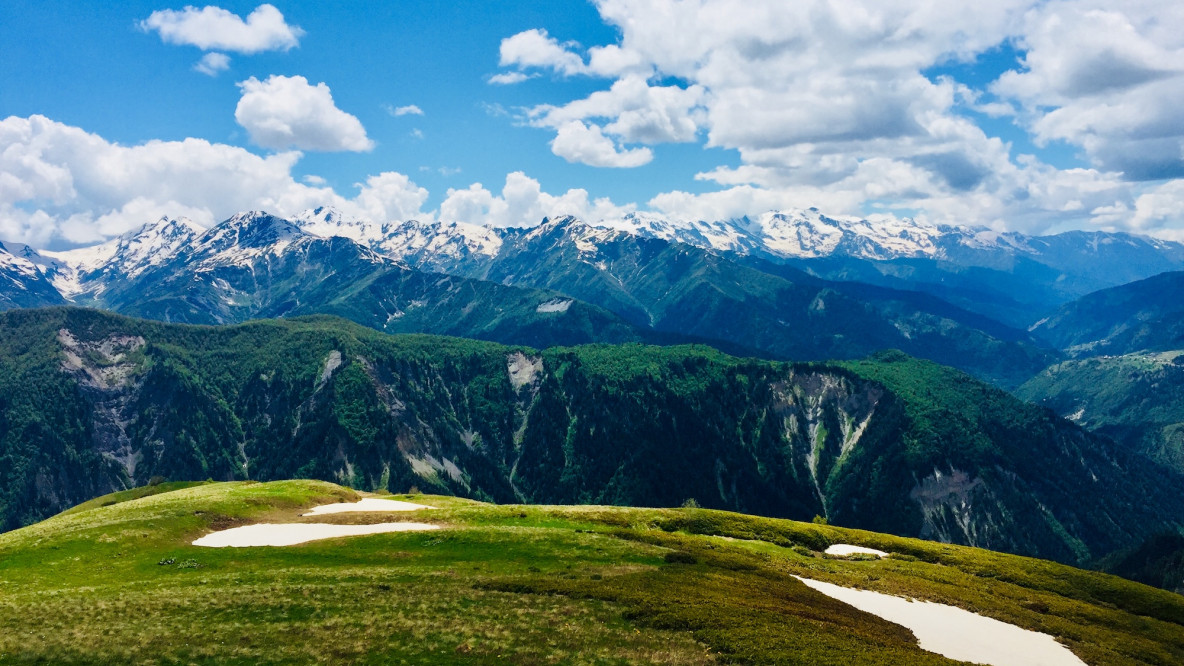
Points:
(680, 557)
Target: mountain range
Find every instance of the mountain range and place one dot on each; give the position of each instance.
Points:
(731, 284)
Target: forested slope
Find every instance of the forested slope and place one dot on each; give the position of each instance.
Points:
(92, 402)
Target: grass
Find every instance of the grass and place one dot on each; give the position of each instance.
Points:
(131, 494)
(516, 584)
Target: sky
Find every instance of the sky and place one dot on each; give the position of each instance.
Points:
(1032, 116)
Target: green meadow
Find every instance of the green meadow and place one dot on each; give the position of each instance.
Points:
(117, 581)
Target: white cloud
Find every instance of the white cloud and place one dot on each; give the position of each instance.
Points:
(214, 28)
(211, 64)
(286, 112)
(1159, 210)
(61, 185)
(409, 110)
(522, 203)
(535, 48)
(1108, 78)
(510, 78)
(587, 144)
(389, 196)
(830, 104)
(640, 113)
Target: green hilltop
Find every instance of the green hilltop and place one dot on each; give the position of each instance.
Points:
(120, 583)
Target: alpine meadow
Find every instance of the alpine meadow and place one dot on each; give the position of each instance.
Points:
(592, 332)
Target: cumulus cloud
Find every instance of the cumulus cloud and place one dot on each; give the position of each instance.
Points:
(213, 28)
(831, 104)
(587, 144)
(639, 112)
(62, 185)
(212, 63)
(535, 48)
(287, 112)
(1108, 78)
(389, 196)
(522, 203)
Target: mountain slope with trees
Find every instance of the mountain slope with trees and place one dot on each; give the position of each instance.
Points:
(92, 402)
(1147, 315)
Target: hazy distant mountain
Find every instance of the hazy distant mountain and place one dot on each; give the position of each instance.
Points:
(1011, 277)
(1143, 315)
(1135, 399)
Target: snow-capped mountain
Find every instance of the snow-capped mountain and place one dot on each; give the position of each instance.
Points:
(22, 279)
(793, 234)
(1007, 277)
(809, 234)
(78, 271)
(444, 246)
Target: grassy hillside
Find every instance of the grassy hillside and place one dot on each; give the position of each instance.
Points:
(518, 584)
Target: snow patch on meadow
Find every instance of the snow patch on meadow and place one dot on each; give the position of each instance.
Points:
(367, 504)
(291, 534)
(844, 550)
(956, 633)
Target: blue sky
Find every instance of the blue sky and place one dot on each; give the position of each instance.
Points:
(1029, 116)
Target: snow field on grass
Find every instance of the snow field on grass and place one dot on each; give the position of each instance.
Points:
(843, 550)
(956, 633)
(366, 505)
(290, 534)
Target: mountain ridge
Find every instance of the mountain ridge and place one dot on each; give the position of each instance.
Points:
(258, 265)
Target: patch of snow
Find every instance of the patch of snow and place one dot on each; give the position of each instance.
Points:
(291, 534)
(956, 633)
(843, 550)
(367, 505)
(555, 305)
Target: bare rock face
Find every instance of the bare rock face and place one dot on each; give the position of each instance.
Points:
(107, 373)
(523, 370)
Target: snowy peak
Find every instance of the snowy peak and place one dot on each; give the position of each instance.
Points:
(438, 243)
(14, 261)
(150, 244)
(327, 222)
(252, 232)
(801, 234)
(76, 271)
